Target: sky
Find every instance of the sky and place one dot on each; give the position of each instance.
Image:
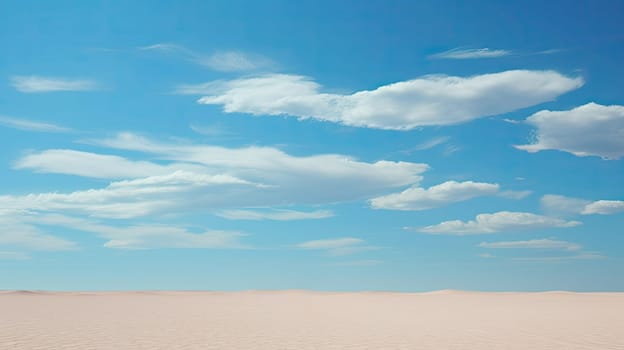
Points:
(325, 145)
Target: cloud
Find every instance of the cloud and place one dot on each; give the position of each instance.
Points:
(102, 166)
(429, 100)
(37, 84)
(16, 232)
(515, 194)
(141, 236)
(579, 256)
(604, 207)
(431, 143)
(202, 177)
(278, 215)
(177, 192)
(338, 246)
(462, 54)
(497, 222)
(532, 244)
(29, 125)
(588, 130)
(416, 198)
(14, 256)
(223, 61)
(567, 205)
(234, 61)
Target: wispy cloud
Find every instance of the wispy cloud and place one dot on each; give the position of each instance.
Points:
(566, 205)
(26, 234)
(30, 125)
(416, 198)
(562, 258)
(14, 256)
(275, 214)
(127, 236)
(223, 61)
(210, 178)
(532, 244)
(37, 84)
(463, 54)
(497, 222)
(431, 143)
(338, 246)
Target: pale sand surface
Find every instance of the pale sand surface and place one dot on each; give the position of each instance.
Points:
(311, 320)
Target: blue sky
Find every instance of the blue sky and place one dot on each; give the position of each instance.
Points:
(323, 145)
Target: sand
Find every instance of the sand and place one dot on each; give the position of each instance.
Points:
(311, 320)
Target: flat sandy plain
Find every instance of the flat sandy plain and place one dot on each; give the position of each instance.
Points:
(310, 320)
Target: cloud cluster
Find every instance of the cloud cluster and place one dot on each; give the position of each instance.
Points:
(429, 100)
(588, 130)
(208, 178)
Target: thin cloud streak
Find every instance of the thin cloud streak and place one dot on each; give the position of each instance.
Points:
(39, 84)
(31, 125)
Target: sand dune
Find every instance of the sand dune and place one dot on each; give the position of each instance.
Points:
(310, 320)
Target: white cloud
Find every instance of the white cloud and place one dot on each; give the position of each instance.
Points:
(338, 246)
(415, 198)
(177, 192)
(515, 194)
(36, 84)
(588, 130)
(103, 166)
(532, 244)
(567, 205)
(497, 222)
(223, 61)
(557, 204)
(141, 236)
(307, 179)
(604, 207)
(94, 165)
(218, 179)
(462, 54)
(562, 258)
(429, 100)
(431, 143)
(17, 233)
(14, 256)
(30, 125)
(234, 61)
(275, 214)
